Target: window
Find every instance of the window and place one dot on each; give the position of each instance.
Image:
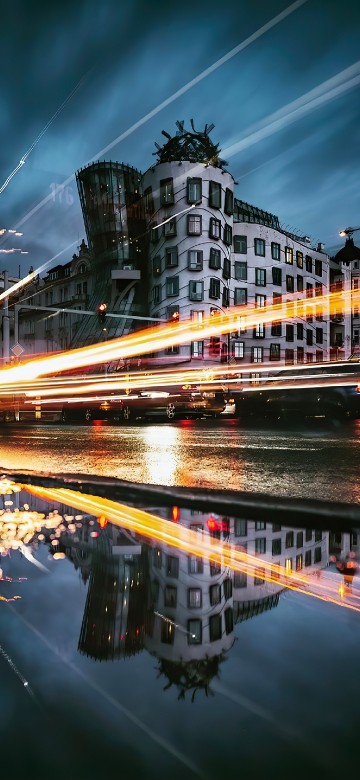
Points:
(309, 338)
(226, 269)
(148, 201)
(276, 546)
(155, 587)
(157, 293)
(276, 276)
(229, 202)
(195, 260)
(197, 349)
(260, 301)
(318, 535)
(172, 566)
(214, 228)
(299, 259)
(308, 558)
(288, 565)
(276, 328)
(299, 331)
(214, 346)
(215, 259)
(172, 286)
(166, 192)
(240, 527)
(214, 195)
(299, 562)
(259, 331)
(170, 596)
(290, 284)
(225, 295)
(289, 331)
(195, 565)
(157, 557)
(194, 224)
(215, 594)
(171, 257)
(260, 277)
(317, 555)
(275, 251)
(274, 351)
(319, 335)
(240, 271)
(194, 632)
(167, 632)
(229, 620)
(240, 245)
(308, 535)
(215, 627)
(259, 576)
(260, 545)
(197, 316)
(240, 296)
(227, 585)
(289, 539)
(299, 539)
(289, 255)
(196, 291)
(215, 569)
(194, 190)
(238, 350)
(300, 354)
(300, 283)
(194, 598)
(318, 267)
(170, 228)
(257, 354)
(308, 263)
(260, 525)
(214, 289)
(289, 356)
(154, 234)
(227, 237)
(240, 579)
(259, 247)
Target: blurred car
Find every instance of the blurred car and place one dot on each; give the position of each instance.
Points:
(319, 390)
(87, 410)
(183, 404)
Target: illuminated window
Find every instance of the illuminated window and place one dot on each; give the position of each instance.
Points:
(215, 259)
(275, 251)
(299, 562)
(195, 260)
(194, 598)
(260, 277)
(167, 632)
(289, 539)
(240, 245)
(157, 554)
(257, 354)
(197, 316)
(194, 224)
(289, 255)
(259, 331)
(299, 259)
(214, 228)
(260, 301)
(274, 351)
(214, 195)
(288, 565)
(170, 596)
(215, 594)
(173, 313)
(194, 190)
(166, 192)
(215, 627)
(194, 632)
(171, 257)
(197, 349)
(259, 247)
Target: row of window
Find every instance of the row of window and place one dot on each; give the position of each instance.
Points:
(276, 544)
(195, 228)
(195, 595)
(196, 292)
(241, 579)
(241, 247)
(194, 261)
(195, 628)
(241, 528)
(194, 194)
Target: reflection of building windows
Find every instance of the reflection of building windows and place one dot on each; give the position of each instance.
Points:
(260, 545)
(171, 257)
(215, 259)
(195, 565)
(240, 245)
(299, 562)
(289, 539)
(215, 594)
(240, 579)
(195, 260)
(259, 576)
(157, 557)
(317, 555)
(308, 558)
(166, 192)
(214, 195)
(276, 546)
(194, 628)
(318, 535)
(299, 539)
(215, 627)
(259, 247)
(194, 190)
(229, 620)
(167, 632)
(170, 596)
(227, 585)
(215, 568)
(194, 598)
(172, 566)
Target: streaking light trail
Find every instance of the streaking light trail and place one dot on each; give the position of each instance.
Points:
(163, 336)
(192, 543)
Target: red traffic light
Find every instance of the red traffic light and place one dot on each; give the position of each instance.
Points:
(102, 306)
(102, 309)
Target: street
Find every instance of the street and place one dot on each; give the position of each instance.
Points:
(314, 460)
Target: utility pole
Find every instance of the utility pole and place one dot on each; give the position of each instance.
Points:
(6, 322)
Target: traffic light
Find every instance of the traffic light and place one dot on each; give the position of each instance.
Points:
(102, 309)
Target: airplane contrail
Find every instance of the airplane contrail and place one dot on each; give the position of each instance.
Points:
(38, 138)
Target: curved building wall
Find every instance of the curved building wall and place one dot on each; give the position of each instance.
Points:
(189, 256)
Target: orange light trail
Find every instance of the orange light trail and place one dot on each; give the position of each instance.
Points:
(163, 336)
(188, 541)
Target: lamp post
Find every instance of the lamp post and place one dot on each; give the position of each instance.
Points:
(6, 322)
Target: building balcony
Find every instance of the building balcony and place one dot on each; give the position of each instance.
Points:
(127, 272)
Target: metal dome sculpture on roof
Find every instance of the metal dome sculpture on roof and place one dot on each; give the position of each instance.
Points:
(195, 146)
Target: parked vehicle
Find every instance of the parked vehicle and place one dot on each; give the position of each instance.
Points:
(319, 390)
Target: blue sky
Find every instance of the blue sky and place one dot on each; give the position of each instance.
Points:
(132, 56)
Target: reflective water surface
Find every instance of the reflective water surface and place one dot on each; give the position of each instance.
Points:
(120, 652)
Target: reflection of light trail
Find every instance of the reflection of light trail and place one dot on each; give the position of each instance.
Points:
(39, 137)
(163, 336)
(14, 668)
(33, 274)
(188, 541)
(28, 555)
(172, 623)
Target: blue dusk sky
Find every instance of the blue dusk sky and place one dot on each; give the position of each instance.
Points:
(285, 106)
